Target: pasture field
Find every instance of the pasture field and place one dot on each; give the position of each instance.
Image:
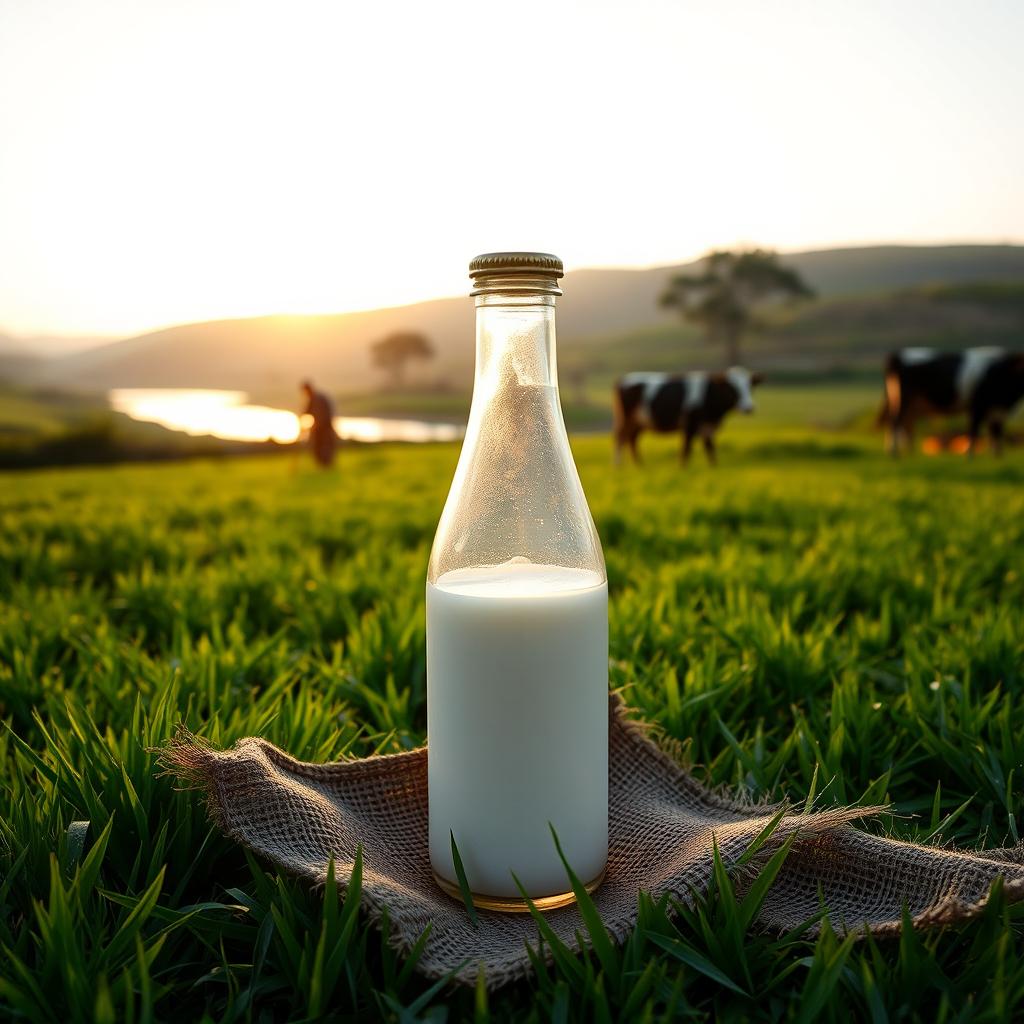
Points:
(810, 619)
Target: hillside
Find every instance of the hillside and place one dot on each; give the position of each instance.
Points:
(16, 366)
(839, 334)
(602, 309)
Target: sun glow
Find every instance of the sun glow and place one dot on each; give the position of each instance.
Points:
(212, 158)
(223, 414)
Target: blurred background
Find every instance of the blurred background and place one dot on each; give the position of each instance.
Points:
(205, 203)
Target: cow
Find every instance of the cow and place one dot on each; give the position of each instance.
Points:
(694, 403)
(985, 383)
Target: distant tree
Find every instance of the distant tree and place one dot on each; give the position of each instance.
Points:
(724, 296)
(392, 353)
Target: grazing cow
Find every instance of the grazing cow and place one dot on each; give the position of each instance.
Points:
(985, 383)
(694, 403)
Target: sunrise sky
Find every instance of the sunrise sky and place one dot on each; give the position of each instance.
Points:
(171, 161)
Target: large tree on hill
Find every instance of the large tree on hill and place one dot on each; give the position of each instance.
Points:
(724, 296)
(393, 352)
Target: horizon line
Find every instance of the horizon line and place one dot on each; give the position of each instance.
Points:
(100, 339)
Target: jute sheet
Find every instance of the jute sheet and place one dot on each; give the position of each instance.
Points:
(662, 822)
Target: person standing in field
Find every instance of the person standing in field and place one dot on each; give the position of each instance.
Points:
(322, 437)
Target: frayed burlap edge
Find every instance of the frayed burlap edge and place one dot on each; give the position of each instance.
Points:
(192, 762)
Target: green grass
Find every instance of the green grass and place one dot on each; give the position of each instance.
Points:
(28, 413)
(810, 610)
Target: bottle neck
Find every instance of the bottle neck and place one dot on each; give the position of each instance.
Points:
(516, 496)
(515, 342)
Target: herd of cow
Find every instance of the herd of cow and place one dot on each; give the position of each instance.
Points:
(985, 384)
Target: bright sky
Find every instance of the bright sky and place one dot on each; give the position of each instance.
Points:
(172, 160)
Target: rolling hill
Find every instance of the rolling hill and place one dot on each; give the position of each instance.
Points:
(843, 334)
(17, 362)
(869, 299)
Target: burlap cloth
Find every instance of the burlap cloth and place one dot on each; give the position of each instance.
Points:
(662, 827)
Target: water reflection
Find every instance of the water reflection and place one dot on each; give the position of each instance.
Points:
(228, 415)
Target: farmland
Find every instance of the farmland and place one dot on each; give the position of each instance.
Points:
(810, 619)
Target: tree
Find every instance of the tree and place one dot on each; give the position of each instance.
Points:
(398, 348)
(724, 296)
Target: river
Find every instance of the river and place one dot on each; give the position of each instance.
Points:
(230, 415)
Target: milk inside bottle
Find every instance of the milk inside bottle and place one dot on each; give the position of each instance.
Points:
(517, 621)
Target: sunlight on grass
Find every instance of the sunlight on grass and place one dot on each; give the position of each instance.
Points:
(805, 620)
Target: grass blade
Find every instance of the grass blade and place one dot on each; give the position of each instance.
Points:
(460, 874)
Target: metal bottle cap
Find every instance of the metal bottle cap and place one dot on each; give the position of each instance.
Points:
(516, 272)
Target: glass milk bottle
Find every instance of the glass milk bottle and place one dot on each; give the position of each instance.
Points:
(517, 621)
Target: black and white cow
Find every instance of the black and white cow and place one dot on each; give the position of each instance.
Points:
(984, 383)
(694, 403)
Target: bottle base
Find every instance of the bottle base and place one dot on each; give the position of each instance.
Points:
(516, 904)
